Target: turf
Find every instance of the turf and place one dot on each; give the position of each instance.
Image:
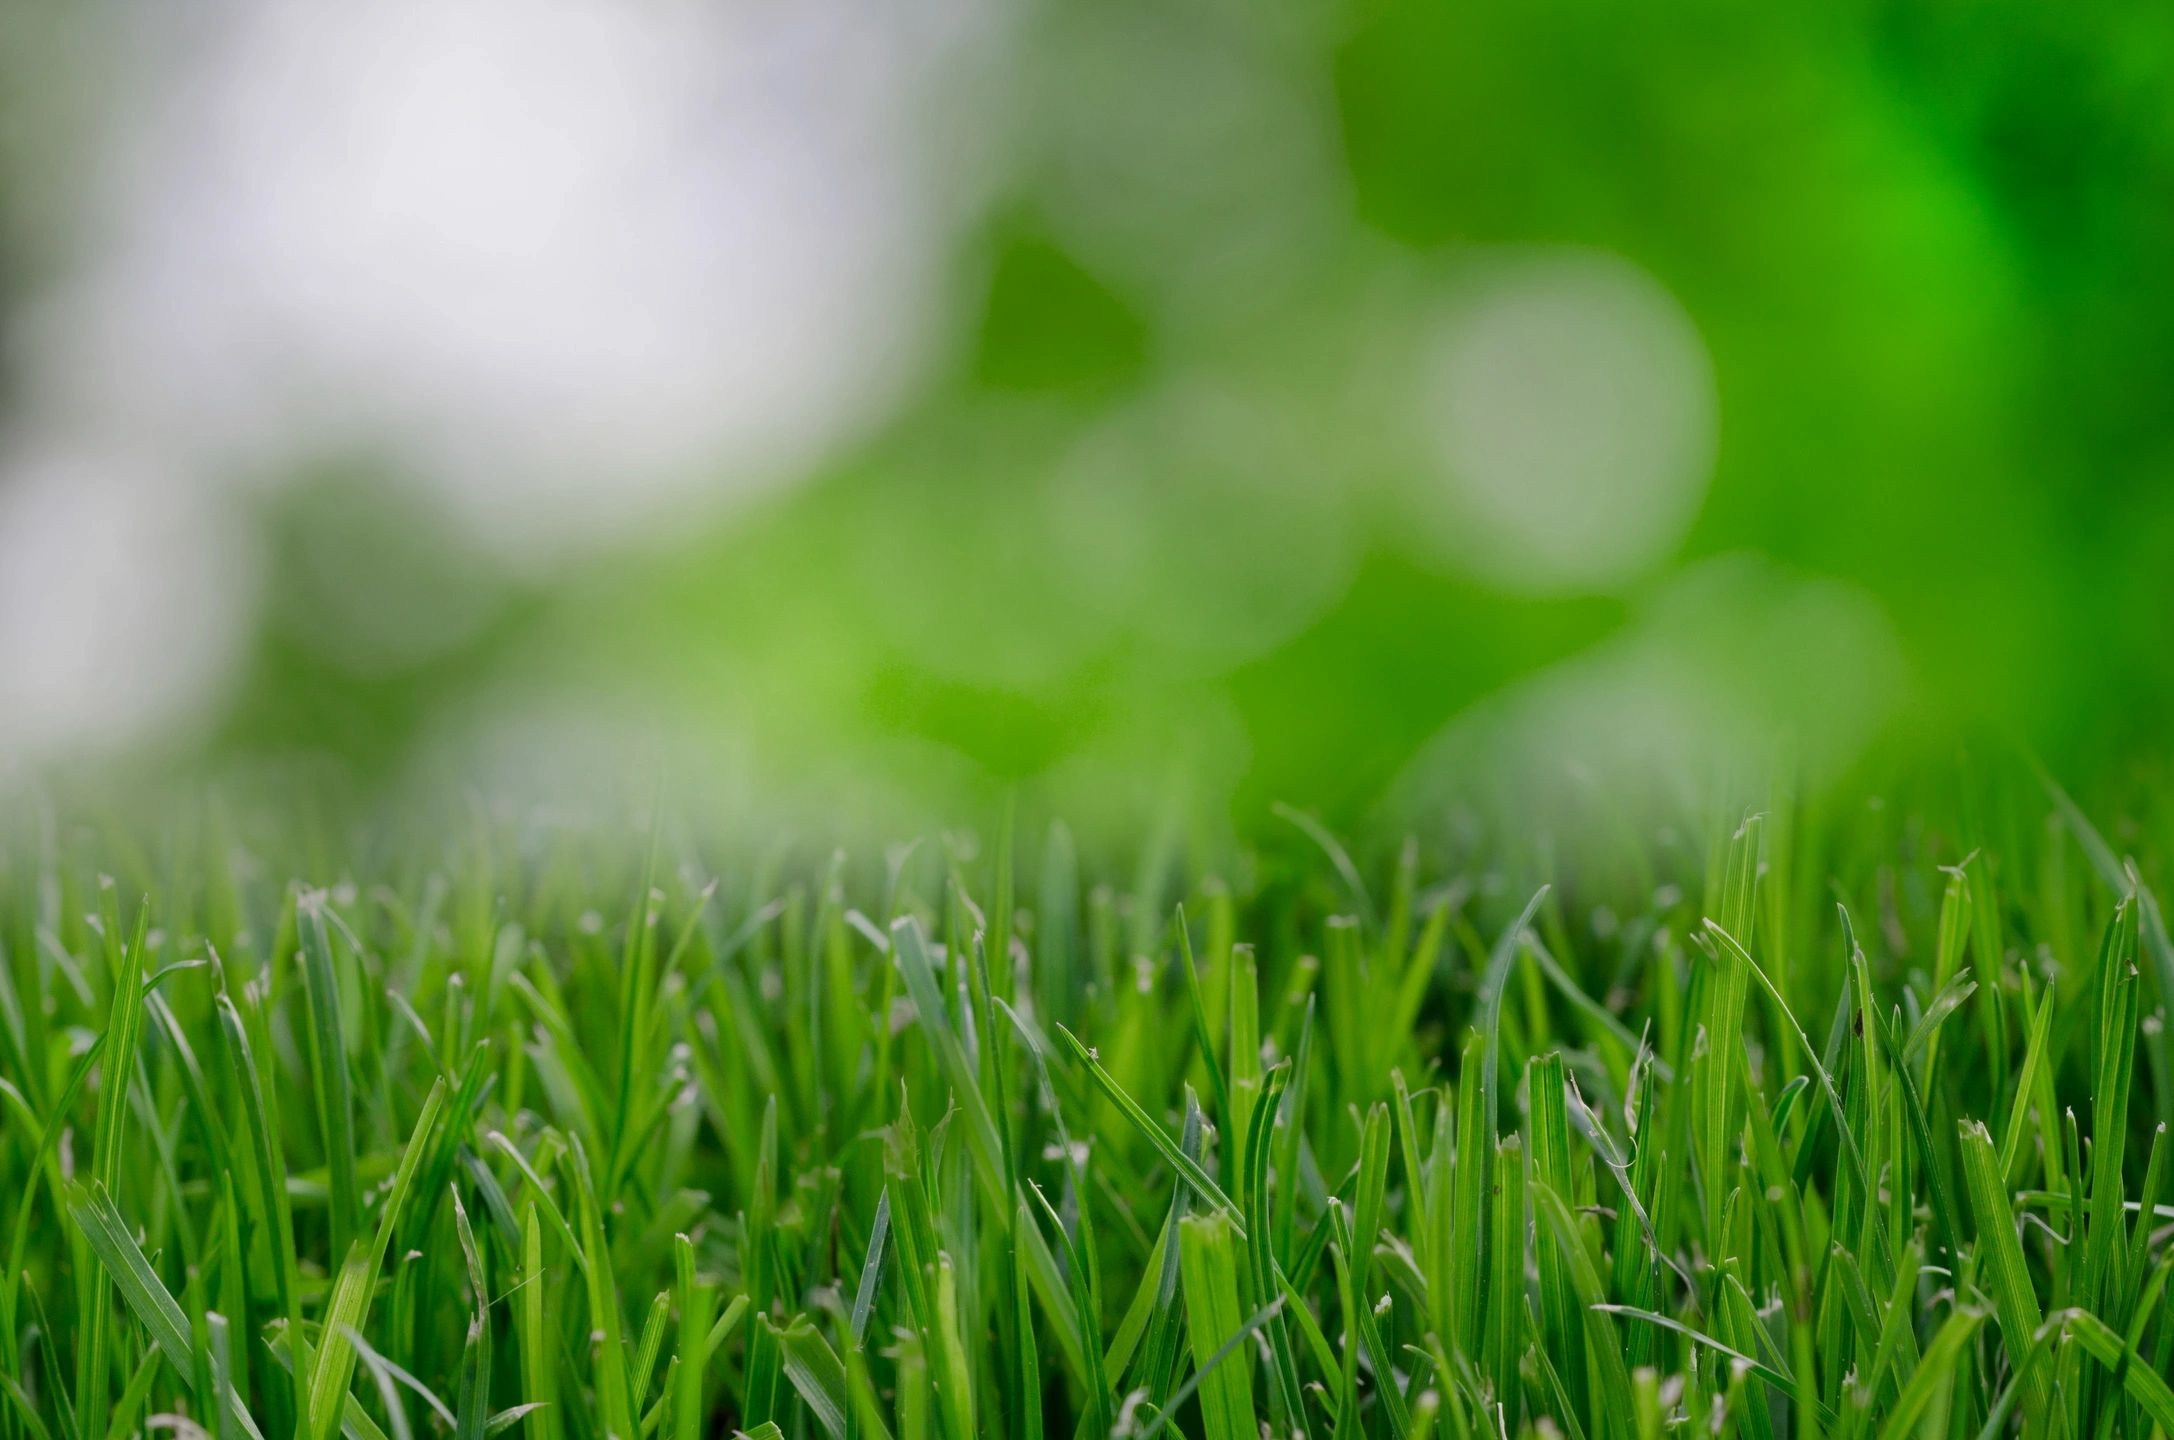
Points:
(1844, 1121)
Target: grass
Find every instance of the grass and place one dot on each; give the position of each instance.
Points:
(1845, 1121)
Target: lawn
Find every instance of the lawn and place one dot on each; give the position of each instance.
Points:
(1790, 1120)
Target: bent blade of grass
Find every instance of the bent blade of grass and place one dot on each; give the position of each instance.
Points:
(1488, 1012)
(1152, 1321)
(1919, 1048)
(1592, 1009)
(385, 1375)
(1775, 1378)
(146, 1295)
(2148, 1390)
(540, 1195)
(982, 1138)
(1847, 1135)
(1152, 1132)
(1337, 855)
(349, 1307)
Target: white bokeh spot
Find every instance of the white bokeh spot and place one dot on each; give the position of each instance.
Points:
(1569, 403)
(1735, 667)
(123, 602)
(574, 270)
(574, 267)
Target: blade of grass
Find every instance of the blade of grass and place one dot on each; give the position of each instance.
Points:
(146, 1295)
(1208, 1260)
(349, 1306)
(329, 1067)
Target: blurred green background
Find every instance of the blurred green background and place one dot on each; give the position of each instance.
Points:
(1321, 402)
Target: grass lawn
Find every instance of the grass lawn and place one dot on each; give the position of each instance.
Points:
(1843, 1121)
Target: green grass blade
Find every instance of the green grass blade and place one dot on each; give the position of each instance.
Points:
(124, 1028)
(329, 1067)
(2148, 1389)
(1150, 1131)
(145, 1294)
(2000, 1253)
(816, 1372)
(1208, 1261)
(349, 1306)
(1935, 1374)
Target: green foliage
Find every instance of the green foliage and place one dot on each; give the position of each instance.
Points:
(616, 1147)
